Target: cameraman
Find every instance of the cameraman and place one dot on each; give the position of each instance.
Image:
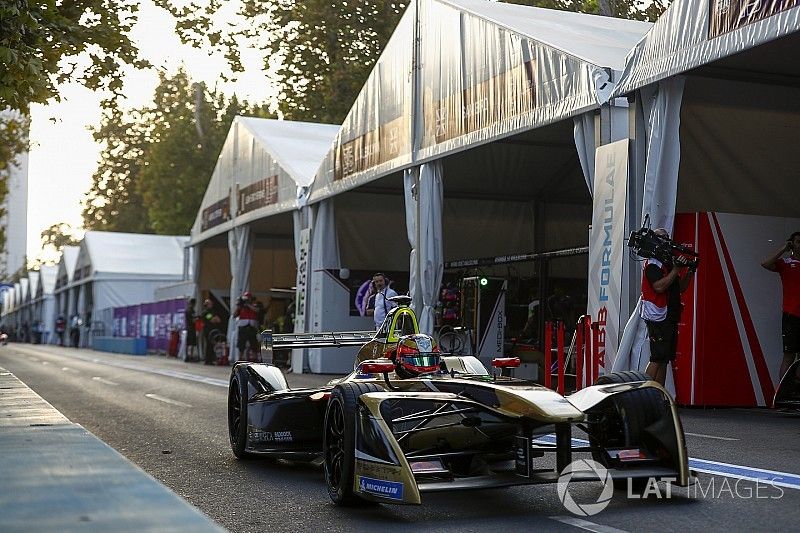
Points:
(662, 285)
(789, 270)
(246, 314)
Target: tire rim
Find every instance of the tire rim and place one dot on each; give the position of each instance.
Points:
(334, 451)
(235, 410)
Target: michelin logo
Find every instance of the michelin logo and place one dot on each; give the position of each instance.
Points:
(379, 487)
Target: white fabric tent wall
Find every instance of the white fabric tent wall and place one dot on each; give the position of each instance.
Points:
(662, 105)
(424, 196)
(240, 247)
(584, 133)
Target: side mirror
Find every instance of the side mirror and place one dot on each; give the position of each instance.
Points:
(506, 362)
(376, 366)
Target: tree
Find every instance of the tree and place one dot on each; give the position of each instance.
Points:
(157, 160)
(37, 35)
(189, 128)
(54, 239)
(113, 203)
(59, 235)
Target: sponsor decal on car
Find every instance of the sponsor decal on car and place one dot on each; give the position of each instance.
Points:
(271, 436)
(380, 487)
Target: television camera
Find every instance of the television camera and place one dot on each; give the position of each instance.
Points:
(648, 244)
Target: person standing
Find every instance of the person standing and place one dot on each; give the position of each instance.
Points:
(211, 322)
(191, 334)
(246, 314)
(381, 293)
(789, 270)
(75, 324)
(61, 328)
(662, 285)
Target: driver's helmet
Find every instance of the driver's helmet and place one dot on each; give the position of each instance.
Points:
(416, 354)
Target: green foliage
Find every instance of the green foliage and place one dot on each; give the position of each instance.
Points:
(156, 161)
(41, 39)
(58, 236)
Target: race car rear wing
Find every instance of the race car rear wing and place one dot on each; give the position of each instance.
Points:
(334, 339)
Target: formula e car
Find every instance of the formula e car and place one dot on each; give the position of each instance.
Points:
(410, 420)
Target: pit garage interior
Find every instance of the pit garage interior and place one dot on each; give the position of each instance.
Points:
(513, 181)
(729, 169)
(272, 268)
(522, 195)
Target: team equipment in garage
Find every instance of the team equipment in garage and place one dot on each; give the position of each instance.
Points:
(410, 419)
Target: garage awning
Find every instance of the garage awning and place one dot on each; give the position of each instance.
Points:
(265, 168)
(480, 71)
(692, 33)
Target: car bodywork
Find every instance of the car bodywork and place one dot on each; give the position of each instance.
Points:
(461, 427)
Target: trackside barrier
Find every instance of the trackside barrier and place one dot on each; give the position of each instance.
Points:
(549, 327)
(587, 340)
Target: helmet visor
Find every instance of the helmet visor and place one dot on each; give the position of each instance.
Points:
(423, 360)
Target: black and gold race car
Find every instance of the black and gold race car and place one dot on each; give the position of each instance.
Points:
(410, 420)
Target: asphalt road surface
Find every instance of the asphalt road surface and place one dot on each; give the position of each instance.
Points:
(169, 418)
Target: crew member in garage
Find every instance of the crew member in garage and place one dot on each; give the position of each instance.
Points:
(380, 304)
(662, 285)
(246, 314)
(789, 270)
(211, 325)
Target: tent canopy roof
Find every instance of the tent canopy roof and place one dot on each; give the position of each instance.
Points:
(690, 34)
(480, 71)
(112, 253)
(33, 280)
(603, 41)
(261, 170)
(66, 265)
(298, 147)
(47, 279)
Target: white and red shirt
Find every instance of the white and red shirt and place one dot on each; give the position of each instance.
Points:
(654, 305)
(789, 270)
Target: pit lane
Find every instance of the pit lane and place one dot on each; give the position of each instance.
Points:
(183, 443)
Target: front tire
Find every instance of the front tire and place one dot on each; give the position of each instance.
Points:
(627, 416)
(338, 446)
(237, 414)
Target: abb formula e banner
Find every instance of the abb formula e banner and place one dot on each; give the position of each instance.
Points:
(606, 242)
(729, 339)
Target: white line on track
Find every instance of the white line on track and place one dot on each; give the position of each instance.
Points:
(585, 524)
(68, 369)
(708, 436)
(105, 381)
(45, 363)
(167, 400)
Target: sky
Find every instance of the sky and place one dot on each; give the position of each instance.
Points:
(63, 155)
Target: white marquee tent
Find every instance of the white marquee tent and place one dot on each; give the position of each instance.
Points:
(261, 180)
(44, 302)
(475, 111)
(64, 290)
(118, 269)
(717, 90)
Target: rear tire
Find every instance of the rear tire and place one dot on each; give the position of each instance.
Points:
(237, 413)
(627, 417)
(338, 445)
